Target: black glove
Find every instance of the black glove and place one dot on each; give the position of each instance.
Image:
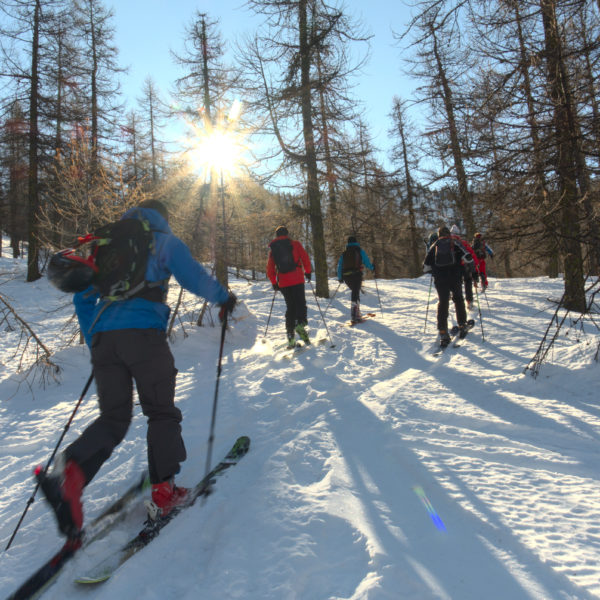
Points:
(341, 280)
(308, 276)
(275, 287)
(227, 306)
(475, 276)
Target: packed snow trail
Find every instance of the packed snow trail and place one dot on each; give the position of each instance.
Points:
(353, 447)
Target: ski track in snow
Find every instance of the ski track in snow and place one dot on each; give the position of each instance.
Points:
(355, 449)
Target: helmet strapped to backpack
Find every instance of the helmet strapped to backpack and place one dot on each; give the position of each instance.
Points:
(116, 265)
(70, 273)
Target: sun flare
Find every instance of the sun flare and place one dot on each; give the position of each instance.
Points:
(220, 148)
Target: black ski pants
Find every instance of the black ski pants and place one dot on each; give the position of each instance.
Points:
(450, 284)
(119, 358)
(468, 281)
(354, 282)
(296, 311)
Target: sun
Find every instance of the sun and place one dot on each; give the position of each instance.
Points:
(217, 148)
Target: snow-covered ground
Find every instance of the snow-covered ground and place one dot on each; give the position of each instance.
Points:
(376, 470)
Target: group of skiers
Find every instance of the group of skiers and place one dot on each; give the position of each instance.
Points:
(288, 265)
(127, 340)
(453, 262)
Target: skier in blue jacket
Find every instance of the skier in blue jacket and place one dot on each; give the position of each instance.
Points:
(350, 270)
(128, 343)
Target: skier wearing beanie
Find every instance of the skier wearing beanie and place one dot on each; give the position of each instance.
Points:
(287, 267)
(128, 343)
(350, 271)
(443, 259)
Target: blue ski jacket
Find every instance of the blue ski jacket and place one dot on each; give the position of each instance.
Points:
(169, 257)
(363, 256)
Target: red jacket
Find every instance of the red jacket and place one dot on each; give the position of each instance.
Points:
(468, 248)
(293, 277)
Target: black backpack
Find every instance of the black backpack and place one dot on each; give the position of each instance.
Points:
(120, 252)
(283, 255)
(479, 247)
(351, 260)
(444, 252)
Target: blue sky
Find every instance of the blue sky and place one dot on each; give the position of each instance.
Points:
(148, 29)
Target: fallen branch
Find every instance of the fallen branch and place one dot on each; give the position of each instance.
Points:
(41, 352)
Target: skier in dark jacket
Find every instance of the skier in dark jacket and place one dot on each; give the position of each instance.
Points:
(128, 343)
(350, 271)
(288, 265)
(468, 275)
(443, 259)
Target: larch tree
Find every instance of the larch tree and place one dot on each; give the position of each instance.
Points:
(99, 77)
(202, 91)
(401, 153)
(440, 63)
(296, 66)
(564, 121)
(153, 112)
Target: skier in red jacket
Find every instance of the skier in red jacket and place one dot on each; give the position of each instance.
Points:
(467, 275)
(287, 267)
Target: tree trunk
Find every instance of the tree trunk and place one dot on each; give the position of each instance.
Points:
(94, 94)
(33, 270)
(566, 160)
(329, 167)
(591, 197)
(541, 193)
(415, 245)
(465, 205)
(313, 192)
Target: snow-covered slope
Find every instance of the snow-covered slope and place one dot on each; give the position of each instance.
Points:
(375, 471)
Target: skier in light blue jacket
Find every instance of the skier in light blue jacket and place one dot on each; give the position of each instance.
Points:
(128, 343)
(350, 270)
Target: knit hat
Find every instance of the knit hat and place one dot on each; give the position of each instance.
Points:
(352, 240)
(281, 230)
(156, 205)
(443, 231)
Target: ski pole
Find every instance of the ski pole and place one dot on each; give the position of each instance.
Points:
(332, 297)
(480, 317)
(270, 311)
(378, 297)
(211, 435)
(428, 299)
(486, 299)
(322, 316)
(45, 470)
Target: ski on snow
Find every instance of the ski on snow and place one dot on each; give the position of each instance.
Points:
(470, 324)
(440, 349)
(364, 318)
(100, 526)
(454, 342)
(107, 567)
(301, 347)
